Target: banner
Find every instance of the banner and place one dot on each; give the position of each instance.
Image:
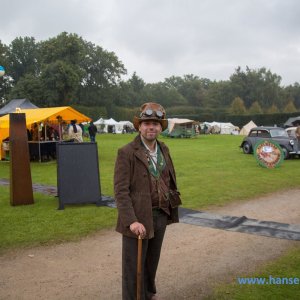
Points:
(268, 154)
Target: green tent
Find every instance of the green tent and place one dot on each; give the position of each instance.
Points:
(183, 128)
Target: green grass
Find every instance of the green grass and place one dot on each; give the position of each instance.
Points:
(211, 170)
(287, 266)
(41, 223)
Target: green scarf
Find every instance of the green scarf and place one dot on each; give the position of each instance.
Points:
(161, 164)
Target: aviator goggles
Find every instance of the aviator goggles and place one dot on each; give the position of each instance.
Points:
(151, 113)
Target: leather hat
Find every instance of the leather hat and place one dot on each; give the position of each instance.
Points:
(151, 112)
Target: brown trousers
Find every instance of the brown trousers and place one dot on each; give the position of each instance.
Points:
(150, 259)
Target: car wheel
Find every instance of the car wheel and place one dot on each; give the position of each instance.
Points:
(286, 154)
(247, 148)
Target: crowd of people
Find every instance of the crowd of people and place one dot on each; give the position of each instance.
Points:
(68, 132)
(52, 133)
(39, 133)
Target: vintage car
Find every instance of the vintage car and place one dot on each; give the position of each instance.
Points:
(276, 134)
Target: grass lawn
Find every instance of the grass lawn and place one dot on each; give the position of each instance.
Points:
(211, 170)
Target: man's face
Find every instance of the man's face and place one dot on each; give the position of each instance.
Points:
(150, 130)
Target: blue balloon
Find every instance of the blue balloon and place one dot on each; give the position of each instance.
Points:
(2, 71)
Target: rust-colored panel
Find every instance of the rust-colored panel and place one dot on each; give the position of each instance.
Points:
(20, 174)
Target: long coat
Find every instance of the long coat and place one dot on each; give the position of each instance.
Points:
(132, 183)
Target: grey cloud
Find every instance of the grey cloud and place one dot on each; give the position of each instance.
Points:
(158, 39)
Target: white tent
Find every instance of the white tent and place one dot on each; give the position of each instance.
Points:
(112, 126)
(105, 126)
(227, 128)
(122, 125)
(246, 128)
(100, 121)
(219, 127)
(110, 122)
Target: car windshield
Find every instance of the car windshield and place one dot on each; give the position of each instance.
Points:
(278, 132)
(291, 132)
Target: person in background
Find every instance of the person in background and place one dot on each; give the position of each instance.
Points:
(297, 133)
(92, 131)
(75, 132)
(82, 128)
(34, 132)
(52, 134)
(145, 193)
(29, 136)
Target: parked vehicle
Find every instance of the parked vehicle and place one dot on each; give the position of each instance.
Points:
(276, 134)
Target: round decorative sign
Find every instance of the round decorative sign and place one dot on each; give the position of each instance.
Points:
(268, 154)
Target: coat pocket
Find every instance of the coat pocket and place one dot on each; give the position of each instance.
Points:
(175, 199)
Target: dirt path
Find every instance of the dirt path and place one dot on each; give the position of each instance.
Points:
(193, 258)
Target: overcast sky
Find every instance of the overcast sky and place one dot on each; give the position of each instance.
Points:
(160, 38)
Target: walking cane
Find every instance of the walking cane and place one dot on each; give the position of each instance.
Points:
(139, 268)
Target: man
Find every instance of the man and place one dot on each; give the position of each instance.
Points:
(92, 131)
(147, 199)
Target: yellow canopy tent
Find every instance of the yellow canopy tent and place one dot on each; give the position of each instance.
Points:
(40, 115)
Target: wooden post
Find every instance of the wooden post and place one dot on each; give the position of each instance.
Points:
(20, 176)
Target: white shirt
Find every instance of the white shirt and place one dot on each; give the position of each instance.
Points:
(77, 136)
(153, 154)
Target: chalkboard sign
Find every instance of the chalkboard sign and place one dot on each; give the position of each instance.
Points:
(78, 179)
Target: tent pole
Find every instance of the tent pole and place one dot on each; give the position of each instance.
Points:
(59, 131)
(45, 131)
(39, 142)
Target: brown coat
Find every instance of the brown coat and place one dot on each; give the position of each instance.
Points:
(132, 187)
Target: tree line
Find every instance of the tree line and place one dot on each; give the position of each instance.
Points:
(68, 70)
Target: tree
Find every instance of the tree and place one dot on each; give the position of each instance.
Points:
(6, 80)
(258, 84)
(60, 81)
(165, 95)
(237, 106)
(255, 108)
(290, 107)
(65, 47)
(66, 69)
(272, 92)
(94, 70)
(131, 93)
(191, 87)
(102, 71)
(293, 92)
(273, 109)
(23, 58)
(137, 83)
(218, 96)
(30, 87)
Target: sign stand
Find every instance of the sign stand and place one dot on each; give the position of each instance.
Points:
(78, 179)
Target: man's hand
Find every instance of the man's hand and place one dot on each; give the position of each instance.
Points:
(138, 229)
